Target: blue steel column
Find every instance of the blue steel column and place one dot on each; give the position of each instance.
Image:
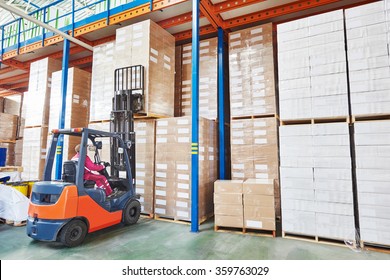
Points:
(195, 119)
(61, 123)
(221, 104)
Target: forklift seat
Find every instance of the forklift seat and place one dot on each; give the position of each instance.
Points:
(69, 171)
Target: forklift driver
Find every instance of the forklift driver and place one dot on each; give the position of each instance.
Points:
(100, 180)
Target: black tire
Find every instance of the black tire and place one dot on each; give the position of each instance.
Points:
(131, 212)
(73, 233)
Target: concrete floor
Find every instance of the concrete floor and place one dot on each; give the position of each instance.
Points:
(158, 240)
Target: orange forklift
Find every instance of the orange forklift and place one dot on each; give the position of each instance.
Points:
(68, 209)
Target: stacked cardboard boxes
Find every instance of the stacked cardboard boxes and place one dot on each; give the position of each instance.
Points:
(254, 151)
(228, 204)
(36, 106)
(145, 148)
(259, 204)
(8, 134)
(251, 70)
(208, 79)
(368, 37)
(173, 167)
(76, 106)
(144, 43)
(102, 82)
(372, 172)
(316, 180)
(312, 67)
(145, 153)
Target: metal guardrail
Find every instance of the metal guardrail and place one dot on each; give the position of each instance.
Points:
(21, 32)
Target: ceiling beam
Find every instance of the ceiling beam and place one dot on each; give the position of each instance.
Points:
(15, 64)
(207, 8)
(104, 40)
(208, 29)
(9, 93)
(14, 79)
(229, 5)
(290, 8)
(81, 61)
(6, 70)
(16, 86)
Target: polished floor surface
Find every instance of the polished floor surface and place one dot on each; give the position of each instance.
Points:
(159, 240)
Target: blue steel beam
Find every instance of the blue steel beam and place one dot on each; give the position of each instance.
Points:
(61, 123)
(195, 119)
(221, 104)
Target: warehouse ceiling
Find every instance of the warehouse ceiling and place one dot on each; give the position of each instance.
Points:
(174, 16)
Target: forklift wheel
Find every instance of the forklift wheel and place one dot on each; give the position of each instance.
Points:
(73, 233)
(131, 212)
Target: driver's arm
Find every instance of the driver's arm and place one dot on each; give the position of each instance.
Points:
(92, 166)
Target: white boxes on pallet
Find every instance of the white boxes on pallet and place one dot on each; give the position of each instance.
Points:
(312, 75)
(372, 173)
(316, 180)
(368, 37)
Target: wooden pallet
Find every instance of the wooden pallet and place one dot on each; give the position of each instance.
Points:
(11, 169)
(178, 221)
(16, 224)
(256, 117)
(102, 121)
(315, 239)
(149, 116)
(147, 215)
(247, 231)
(375, 247)
(316, 121)
(7, 141)
(376, 117)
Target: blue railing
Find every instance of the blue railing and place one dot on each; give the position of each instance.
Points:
(63, 15)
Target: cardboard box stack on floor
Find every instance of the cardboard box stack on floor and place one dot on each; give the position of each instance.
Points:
(145, 155)
(254, 151)
(372, 172)
(173, 167)
(368, 38)
(259, 204)
(228, 203)
(251, 70)
(208, 79)
(312, 67)
(76, 106)
(36, 113)
(316, 180)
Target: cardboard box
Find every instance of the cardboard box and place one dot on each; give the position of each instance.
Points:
(228, 186)
(258, 186)
(229, 221)
(228, 198)
(228, 209)
(8, 126)
(259, 200)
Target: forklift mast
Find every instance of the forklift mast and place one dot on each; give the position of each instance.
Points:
(128, 99)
